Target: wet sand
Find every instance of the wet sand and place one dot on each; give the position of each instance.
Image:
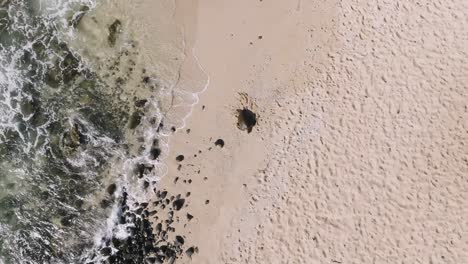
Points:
(359, 153)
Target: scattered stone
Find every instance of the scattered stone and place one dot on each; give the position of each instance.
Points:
(154, 153)
(178, 204)
(141, 103)
(246, 119)
(190, 252)
(207, 201)
(189, 217)
(179, 240)
(146, 79)
(219, 143)
(142, 169)
(180, 158)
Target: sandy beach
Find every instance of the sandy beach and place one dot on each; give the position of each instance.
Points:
(221, 131)
(359, 153)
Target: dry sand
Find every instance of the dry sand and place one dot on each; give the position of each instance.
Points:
(360, 152)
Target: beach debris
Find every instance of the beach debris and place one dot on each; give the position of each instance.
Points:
(180, 158)
(114, 30)
(219, 143)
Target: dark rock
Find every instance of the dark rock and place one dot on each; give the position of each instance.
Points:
(179, 240)
(180, 158)
(219, 142)
(53, 77)
(189, 217)
(66, 221)
(142, 169)
(178, 204)
(111, 189)
(141, 103)
(154, 153)
(106, 251)
(105, 203)
(246, 119)
(135, 119)
(146, 79)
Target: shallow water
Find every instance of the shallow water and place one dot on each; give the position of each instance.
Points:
(82, 122)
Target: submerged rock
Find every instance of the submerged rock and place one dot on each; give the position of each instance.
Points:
(135, 120)
(154, 153)
(114, 31)
(73, 138)
(76, 19)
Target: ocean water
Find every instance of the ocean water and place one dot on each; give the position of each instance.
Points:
(85, 120)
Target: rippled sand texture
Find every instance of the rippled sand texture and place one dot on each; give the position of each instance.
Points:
(360, 153)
